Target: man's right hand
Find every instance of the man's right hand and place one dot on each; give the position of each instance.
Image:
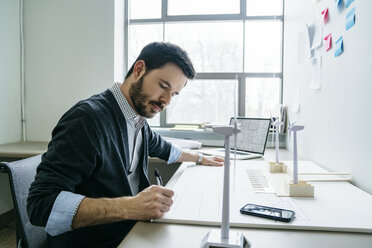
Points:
(151, 203)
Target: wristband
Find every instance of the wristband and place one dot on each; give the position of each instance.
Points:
(200, 159)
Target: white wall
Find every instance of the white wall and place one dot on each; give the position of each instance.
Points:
(119, 41)
(337, 117)
(10, 107)
(10, 94)
(69, 56)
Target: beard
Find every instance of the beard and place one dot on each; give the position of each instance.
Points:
(139, 99)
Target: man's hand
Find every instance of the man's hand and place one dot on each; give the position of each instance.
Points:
(187, 156)
(213, 161)
(149, 204)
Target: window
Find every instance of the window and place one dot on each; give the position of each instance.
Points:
(236, 49)
(213, 100)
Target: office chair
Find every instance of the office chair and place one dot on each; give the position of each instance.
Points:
(21, 175)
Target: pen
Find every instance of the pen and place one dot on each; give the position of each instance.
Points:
(158, 177)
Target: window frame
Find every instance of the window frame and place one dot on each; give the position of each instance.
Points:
(240, 76)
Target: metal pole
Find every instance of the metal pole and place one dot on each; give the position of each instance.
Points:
(277, 143)
(295, 162)
(225, 225)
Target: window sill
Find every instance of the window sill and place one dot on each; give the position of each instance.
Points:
(208, 138)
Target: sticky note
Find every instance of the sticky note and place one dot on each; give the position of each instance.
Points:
(348, 2)
(325, 15)
(338, 3)
(328, 42)
(350, 19)
(339, 47)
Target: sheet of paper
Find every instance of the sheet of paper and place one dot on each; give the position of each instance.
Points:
(316, 67)
(198, 200)
(328, 42)
(348, 2)
(315, 32)
(325, 15)
(303, 46)
(339, 47)
(350, 19)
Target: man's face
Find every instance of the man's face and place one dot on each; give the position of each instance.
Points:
(153, 91)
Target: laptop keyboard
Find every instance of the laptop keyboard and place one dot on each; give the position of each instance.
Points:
(241, 153)
(237, 152)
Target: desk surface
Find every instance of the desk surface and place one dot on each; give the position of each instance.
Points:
(22, 149)
(159, 235)
(145, 234)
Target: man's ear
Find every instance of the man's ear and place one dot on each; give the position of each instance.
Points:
(139, 69)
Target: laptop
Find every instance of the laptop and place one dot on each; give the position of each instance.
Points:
(251, 141)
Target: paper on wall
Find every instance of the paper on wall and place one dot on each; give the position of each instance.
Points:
(339, 46)
(316, 67)
(315, 29)
(328, 41)
(325, 15)
(348, 2)
(303, 46)
(350, 19)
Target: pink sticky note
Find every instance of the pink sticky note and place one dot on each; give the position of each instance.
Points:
(328, 41)
(325, 15)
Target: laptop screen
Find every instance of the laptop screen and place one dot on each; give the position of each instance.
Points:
(253, 135)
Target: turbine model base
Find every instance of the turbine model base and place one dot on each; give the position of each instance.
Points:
(302, 189)
(277, 168)
(235, 240)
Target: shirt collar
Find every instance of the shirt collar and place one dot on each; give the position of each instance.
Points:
(124, 105)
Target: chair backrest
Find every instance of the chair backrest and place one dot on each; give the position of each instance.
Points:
(21, 175)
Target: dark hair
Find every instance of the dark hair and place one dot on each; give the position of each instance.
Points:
(157, 54)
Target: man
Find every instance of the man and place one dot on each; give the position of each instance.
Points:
(92, 185)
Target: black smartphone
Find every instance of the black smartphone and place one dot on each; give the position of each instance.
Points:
(268, 212)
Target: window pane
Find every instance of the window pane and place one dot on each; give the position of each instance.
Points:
(203, 101)
(200, 7)
(262, 97)
(139, 36)
(263, 46)
(212, 46)
(155, 121)
(264, 7)
(145, 9)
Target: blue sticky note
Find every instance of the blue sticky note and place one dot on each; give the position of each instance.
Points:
(339, 47)
(338, 2)
(350, 19)
(348, 2)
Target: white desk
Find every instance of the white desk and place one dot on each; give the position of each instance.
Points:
(158, 235)
(177, 235)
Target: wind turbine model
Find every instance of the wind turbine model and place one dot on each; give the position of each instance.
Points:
(296, 187)
(225, 237)
(277, 166)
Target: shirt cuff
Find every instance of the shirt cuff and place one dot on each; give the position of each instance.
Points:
(63, 212)
(175, 154)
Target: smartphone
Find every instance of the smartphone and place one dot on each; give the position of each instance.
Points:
(268, 212)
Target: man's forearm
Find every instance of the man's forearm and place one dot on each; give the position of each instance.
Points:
(188, 157)
(151, 203)
(93, 211)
